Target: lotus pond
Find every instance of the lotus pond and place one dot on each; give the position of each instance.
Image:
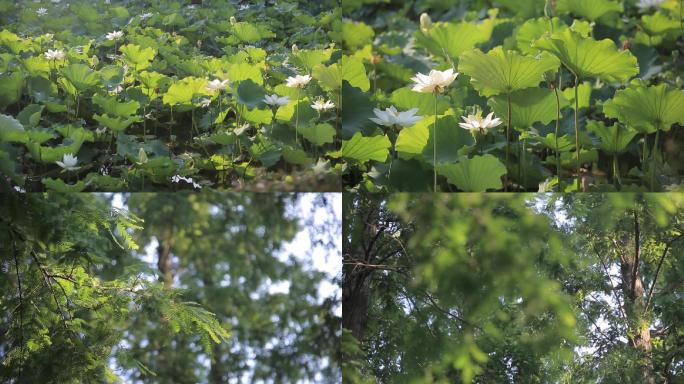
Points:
(167, 95)
(513, 95)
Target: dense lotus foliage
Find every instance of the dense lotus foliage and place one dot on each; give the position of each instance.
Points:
(166, 95)
(562, 95)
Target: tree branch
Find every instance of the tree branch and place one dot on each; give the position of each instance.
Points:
(637, 250)
(649, 297)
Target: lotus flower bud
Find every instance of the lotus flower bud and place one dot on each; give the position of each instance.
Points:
(425, 22)
(233, 20)
(295, 48)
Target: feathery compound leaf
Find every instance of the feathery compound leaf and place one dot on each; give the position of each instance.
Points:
(644, 107)
(499, 71)
(586, 57)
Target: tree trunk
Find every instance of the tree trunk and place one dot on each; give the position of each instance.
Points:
(634, 296)
(355, 295)
(164, 258)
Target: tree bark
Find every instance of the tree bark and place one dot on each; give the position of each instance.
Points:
(634, 294)
(164, 258)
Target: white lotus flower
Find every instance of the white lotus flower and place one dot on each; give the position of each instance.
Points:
(205, 102)
(477, 123)
(275, 100)
(435, 81)
(68, 162)
(390, 117)
(217, 85)
(56, 54)
(116, 35)
(146, 15)
(322, 105)
(179, 178)
(42, 11)
(646, 4)
(298, 81)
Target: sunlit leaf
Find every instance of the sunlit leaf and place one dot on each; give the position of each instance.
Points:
(614, 138)
(647, 107)
(478, 174)
(362, 149)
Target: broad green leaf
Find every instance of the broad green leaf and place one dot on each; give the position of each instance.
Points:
(583, 93)
(534, 29)
(11, 85)
(451, 138)
(308, 59)
(589, 9)
(186, 91)
(116, 123)
(586, 57)
(524, 8)
(647, 107)
(354, 72)
(614, 139)
(362, 149)
(329, 77)
(295, 156)
(115, 108)
(245, 71)
(659, 24)
(569, 159)
(266, 152)
(528, 106)
(12, 130)
(80, 76)
(30, 116)
(405, 99)
(318, 134)
(478, 174)
(356, 109)
(453, 39)
(58, 185)
(499, 71)
(37, 65)
(137, 57)
(249, 93)
(565, 142)
(112, 76)
(246, 32)
(356, 34)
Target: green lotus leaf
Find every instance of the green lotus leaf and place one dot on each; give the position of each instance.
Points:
(184, 92)
(569, 159)
(40, 135)
(361, 149)
(10, 168)
(647, 107)
(524, 9)
(589, 9)
(223, 138)
(499, 71)
(14, 42)
(80, 76)
(295, 156)
(58, 185)
(266, 152)
(112, 76)
(12, 130)
(330, 77)
(356, 34)
(357, 108)
(71, 144)
(11, 85)
(583, 94)
(454, 38)
(137, 57)
(36, 65)
(265, 116)
(586, 57)
(353, 70)
(452, 140)
(116, 123)
(528, 106)
(246, 32)
(404, 99)
(532, 30)
(478, 174)
(659, 24)
(250, 94)
(245, 71)
(565, 142)
(614, 139)
(104, 182)
(115, 108)
(308, 59)
(30, 116)
(318, 134)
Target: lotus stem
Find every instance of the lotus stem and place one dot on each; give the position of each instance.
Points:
(577, 140)
(508, 140)
(297, 116)
(557, 149)
(434, 147)
(616, 168)
(653, 157)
